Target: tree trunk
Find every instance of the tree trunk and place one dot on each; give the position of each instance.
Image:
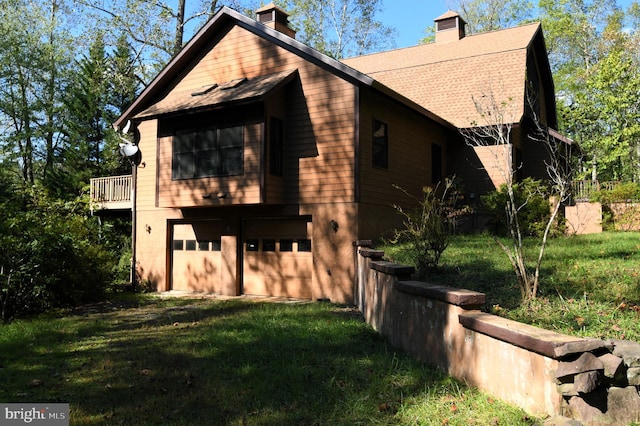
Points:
(177, 46)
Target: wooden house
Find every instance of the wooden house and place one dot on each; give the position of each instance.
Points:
(263, 161)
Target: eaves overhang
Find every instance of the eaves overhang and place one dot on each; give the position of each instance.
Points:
(241, 91)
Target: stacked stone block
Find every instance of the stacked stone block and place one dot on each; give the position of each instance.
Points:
(600, 381)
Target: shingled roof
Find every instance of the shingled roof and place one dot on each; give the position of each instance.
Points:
(445, 78)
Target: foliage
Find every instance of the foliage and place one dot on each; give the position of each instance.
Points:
(534, 214)
(590, 286)
(185, 362)
(428, 227)
(592, 47)
(340, 28)
(483, 15)
(34, 59)
(51, 255)
(621, 193)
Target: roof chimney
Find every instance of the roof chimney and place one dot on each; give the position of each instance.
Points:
(449, 27)
(274, 17)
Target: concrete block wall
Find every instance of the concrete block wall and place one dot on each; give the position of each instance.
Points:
(530, 367)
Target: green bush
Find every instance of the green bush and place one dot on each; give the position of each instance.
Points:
(628, 192)
(51, 256)
(622, 193)
(534, 214)
(429, 226)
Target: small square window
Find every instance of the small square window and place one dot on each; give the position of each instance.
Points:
(203, 245)
(190, 245)
(252, 245)
(286, 245)
(216, 245)
(268, 245)
(304, 245)
(178, 245)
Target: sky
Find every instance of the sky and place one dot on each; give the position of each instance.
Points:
(410, 18)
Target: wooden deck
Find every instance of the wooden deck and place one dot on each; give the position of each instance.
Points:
(111, 193)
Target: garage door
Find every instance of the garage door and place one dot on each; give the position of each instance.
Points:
(277, 258)
(196, 257)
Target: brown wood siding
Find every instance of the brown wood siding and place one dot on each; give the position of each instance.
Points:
(275, 108)
(410, 137)
(146, 178)
(319, 157)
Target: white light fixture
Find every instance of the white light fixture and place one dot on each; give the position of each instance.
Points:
(128, 150)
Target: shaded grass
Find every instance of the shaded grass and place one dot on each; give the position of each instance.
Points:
(203, 362)
(590, 284)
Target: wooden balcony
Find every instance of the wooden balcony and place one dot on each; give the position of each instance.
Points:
(111, 193)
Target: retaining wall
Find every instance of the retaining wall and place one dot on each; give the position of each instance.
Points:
(545, 373)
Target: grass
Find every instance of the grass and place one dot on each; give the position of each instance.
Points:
(144, 360)
(590, 284)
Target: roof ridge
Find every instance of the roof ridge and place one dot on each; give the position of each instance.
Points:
(433, 43)
(461, 58)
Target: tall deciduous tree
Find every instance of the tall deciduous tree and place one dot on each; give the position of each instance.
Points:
(340, 28)
(34, 59)
(490, 15)
(593, 54)
(156, 30)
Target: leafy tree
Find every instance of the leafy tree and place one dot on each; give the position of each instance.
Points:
(156, 31)
(491, 15)
(34, 60)
(340, 28)
(595, 63)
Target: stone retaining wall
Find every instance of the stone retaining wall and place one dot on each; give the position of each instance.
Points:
(546, 373)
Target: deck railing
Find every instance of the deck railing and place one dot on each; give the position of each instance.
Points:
(584, 189)
(111, 192)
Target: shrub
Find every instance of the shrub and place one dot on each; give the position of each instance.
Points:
(51, 256)
(614, 216)
(534, 214)
(428, 227)
(622, 193)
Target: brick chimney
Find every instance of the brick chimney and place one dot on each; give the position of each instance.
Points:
(274, 17)
(449, 27)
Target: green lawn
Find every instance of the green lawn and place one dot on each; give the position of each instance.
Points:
(145, 360)
(590, 284)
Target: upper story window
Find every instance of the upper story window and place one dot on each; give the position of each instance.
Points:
(208, 152)
(380, 145)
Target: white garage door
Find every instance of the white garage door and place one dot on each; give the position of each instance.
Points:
(277, 258)
(196, 257)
